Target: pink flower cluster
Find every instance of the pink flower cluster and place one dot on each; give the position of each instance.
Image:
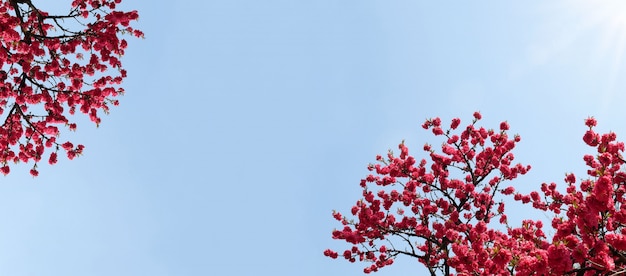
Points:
(448, 212)
(50, 67)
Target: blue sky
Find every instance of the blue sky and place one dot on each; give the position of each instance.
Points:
(246, 123)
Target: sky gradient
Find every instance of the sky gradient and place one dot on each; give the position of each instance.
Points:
(246, 123)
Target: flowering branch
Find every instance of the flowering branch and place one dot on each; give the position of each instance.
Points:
(444, 209)
(44, 75)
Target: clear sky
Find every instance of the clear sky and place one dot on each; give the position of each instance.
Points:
(246, 123)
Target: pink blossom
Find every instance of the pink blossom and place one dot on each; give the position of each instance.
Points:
(451, 201)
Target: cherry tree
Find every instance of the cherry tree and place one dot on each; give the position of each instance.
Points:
(448, 212)
(52, 66)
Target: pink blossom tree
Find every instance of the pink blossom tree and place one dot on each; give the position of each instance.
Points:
(53, 65)
(448, 212)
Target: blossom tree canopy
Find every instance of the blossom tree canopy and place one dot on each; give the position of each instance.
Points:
(53, 65)
(448, 212)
